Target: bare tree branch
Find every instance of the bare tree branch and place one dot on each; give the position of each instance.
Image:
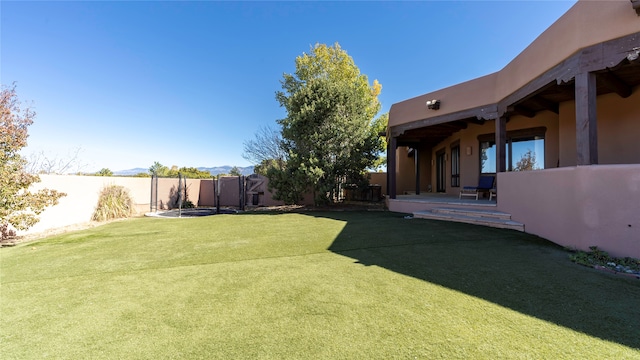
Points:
(267, 145)
(41, 163)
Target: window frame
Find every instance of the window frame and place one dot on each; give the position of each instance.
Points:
(455, 164)
(529, 133)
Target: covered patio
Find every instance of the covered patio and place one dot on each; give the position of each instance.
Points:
(557, 128)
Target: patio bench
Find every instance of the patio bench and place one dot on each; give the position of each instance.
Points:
(485, 184)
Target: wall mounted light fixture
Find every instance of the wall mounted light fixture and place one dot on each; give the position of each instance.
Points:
(433, 104)
(469, 150)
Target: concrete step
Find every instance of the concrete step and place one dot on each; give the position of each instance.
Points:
(473, 213)
(476, 217)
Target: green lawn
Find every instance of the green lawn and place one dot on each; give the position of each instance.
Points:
(321, 285)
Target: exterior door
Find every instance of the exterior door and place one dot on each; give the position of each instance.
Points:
(441, 174)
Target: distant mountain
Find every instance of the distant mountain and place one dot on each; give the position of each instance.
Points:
(131, 172)
(213, 170)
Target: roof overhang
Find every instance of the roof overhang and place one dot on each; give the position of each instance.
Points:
(616, 64)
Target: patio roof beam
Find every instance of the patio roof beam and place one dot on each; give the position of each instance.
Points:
(614, 83)
(456, 125)
(594, 58)
(521, 110)
(476, 121)
(546, 104)
(488, 112)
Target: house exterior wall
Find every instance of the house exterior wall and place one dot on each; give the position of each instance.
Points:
(404, 183)
(595, 205)
(585, 24)
(618, 130)
(405, 170)
(575, 207)
(468, 138)
(463, 96)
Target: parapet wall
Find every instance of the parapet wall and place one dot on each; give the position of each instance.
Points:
(577, 207)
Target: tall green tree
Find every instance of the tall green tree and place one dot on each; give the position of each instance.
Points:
(158, 169)
(104, 172)
(190, 172)
(19, 206)
(328, 133)
(379, 128)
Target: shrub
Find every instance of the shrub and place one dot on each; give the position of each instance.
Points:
(114, 203)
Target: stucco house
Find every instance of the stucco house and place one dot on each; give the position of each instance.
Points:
(558, 127)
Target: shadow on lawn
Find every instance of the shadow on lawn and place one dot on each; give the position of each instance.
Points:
(515, 270)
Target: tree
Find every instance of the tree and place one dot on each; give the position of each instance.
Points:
(526, 162)
(47, 163)
(158, 169)
(379, 128)
(19, 206)
(190, 172)
(265, 147)
(235, 171)
(263, 167)
(104, 172)
(328, 133)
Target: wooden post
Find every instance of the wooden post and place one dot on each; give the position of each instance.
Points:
(501, 137)
(391, 167)
(586, 119)
(416, 159)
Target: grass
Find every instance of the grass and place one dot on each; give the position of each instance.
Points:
(347, 285)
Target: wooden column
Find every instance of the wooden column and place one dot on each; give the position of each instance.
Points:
(416, 159)
(586, 121)
(391, 167)
(501, 137)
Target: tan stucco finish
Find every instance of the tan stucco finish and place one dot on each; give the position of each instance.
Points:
(587, 23)
(576, 207)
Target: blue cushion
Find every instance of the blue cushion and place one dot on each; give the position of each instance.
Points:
(485, 183)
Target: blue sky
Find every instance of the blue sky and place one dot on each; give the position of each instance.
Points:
(186, 83)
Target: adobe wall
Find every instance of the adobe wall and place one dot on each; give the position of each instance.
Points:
(379, 178)
(168, 192)
(82, 197)
(83, 193)
(618, 130)
(463, 96)
(406, 181)
(585, 24)
(575, 208)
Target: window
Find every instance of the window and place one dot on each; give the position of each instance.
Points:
(455, 165)
(524, 150)
(488, 157)
(525, 154)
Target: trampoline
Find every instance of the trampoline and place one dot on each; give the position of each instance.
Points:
(189, 213)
